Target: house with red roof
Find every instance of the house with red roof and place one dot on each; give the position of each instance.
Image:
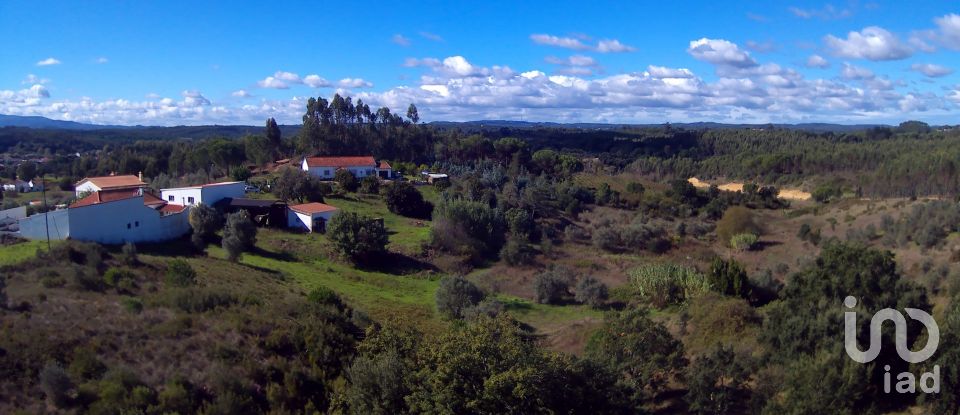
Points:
(113, 216)
(361, 166)
(93, 184)
(311, 217)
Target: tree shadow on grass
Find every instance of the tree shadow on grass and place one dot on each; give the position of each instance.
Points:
(395, 263)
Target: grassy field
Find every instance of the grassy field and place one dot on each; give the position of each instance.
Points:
(12, 254)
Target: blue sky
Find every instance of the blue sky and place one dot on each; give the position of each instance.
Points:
(188, 63)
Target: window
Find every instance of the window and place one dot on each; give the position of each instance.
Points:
(136, 224)
(326, 172)
(170, 198)
(128, 226)
(190, 200)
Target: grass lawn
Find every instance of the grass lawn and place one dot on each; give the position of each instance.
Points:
(406, 234)
(12, 254)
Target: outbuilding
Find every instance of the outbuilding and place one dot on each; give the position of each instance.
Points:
(311, 217)
(207, 194)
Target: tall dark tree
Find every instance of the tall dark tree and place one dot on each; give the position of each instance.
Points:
(274, 137)
(412, 114)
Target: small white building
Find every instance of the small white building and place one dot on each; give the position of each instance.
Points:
(361, 166)
(312, 217)
(207, 194)
(21, 186)
(108, 183)
(432, 177)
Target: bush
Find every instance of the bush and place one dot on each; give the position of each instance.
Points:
(295, 184)
(552, 286)
(736, 220)
(239, 234)
(205, 221)
(468, 228)
(370, 185)
(240, 174)
(357, 236)
(744, 241)
(180, 274)
(85, 365)
(520, 223)
(346, 180)
(591, 291)
(606, 238)
(132, 304)
(517, 252)
(404, 199)
(489, 307)
(716, 381)
(129, 254)
(665, 284)
(56, 384)
(729, 278)
(119, 278)
(456, 295)
(198, 300)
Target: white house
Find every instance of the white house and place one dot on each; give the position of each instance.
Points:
(95, 184)
(311, 217)
(21, 186)
(207, 194)
(112, 217)
(360, 166)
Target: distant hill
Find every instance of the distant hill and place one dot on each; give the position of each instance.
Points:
(238, 130)
(44, 122)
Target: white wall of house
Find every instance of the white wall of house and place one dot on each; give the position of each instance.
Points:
(86, 187)
(327, 172)
(208, 195)
(124, 221)
(186, 196)
(303, 221)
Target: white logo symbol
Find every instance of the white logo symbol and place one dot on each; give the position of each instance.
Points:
(876, 323)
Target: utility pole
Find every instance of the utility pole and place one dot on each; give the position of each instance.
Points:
(46, 212)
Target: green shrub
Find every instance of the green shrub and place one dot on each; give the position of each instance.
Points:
(129, 254)
(132, 304)
(404, 199)
(119, 278)
(86, 365)
(744, 241)
(456, 295)
(357, 236)
(517, 252)
(345, 180)
(198, 300)
(56, 384)
(552, 286)
(729, 278)
(370, 185)
(665, 284)
(591, 291)
(736, 220)
(180, 274)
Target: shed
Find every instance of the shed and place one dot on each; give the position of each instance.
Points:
(264, 212)
(312, 217)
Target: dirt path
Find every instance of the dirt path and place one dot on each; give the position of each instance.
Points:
(789, 194)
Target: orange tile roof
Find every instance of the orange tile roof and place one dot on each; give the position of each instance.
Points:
(311, 208)
(385, 165)
(341, 161)
(169, 209)
(105, 196)
(114, 182)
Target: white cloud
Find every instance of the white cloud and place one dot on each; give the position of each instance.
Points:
(32, 79)
(194, 99)
(761, 47)
(576, 43)
(241, 93)
(949, 30)
(428, 62)
(400, 40)
(613, 46)
(271, 82)
(828, 12)
(817, 61)
(315, 81)
(152, 95)
(872, 43)
(431, 36)
(575, 60)
(664, 72)
(458, 65)
(354, 83)
(852, 73)
(720, 52)
(931, 70)
(287, 77)
(101, 60)
(48, 62)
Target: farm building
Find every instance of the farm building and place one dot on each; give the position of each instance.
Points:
(207, 194)
(264, 212)
(21, 186)
(361, 166)
(95, 184)
(311, 217)
(112, 217)
(434, 177)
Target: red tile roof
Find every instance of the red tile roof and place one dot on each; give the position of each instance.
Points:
(170, 209)
(311, 208)
(114, 182)
(105, 196)
(341, 161)
(385, 165)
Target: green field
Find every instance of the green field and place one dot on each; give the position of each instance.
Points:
(12, 254)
